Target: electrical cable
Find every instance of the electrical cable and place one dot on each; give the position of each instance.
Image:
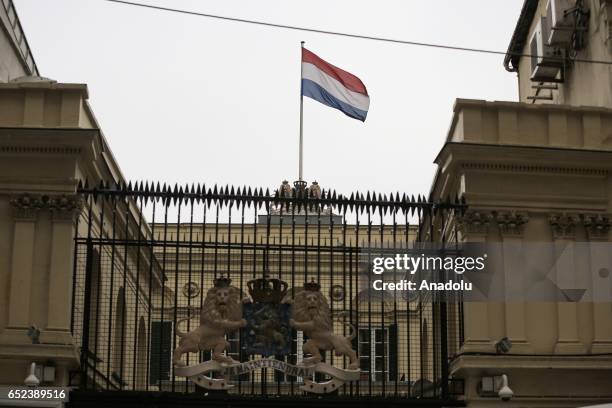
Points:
(349, 35)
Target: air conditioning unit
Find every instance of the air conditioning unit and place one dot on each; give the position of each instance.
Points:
(546, 61)
(560, 20)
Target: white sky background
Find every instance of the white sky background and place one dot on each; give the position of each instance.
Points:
(190, 99)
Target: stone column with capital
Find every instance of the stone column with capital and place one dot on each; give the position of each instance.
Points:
(564, 232)
(598, 232)
(511, 226)
(474, 227)
(63, 209)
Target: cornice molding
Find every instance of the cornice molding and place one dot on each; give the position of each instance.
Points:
(521, 168)
(40, 149)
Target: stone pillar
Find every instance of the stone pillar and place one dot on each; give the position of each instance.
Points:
(63, 210)
(564, 233)
(25, 210)
(474, 227)
(511, 225)
(598, 227)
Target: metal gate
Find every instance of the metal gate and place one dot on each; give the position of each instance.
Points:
(146, 254)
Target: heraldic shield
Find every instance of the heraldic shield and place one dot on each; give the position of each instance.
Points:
(267, 332)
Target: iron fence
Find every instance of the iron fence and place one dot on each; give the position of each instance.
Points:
(146, 254)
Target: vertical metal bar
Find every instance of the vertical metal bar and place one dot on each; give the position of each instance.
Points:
(369, 292)
(229, 238)
(240, 339)
(150, 294)
(202, 259)
(86, 312)
(434, 307)
(87, 297)
(356, 263)
(318, 271)
(408, 343)
(124, 310)
(189, 277)
(136, 320)
(318, 243)
(293, 290)
(443, 324)
(179, 204)
(347, 293)
(216, 243)
(280, 276)
(421, 345)
(110, 342)
(306, 222)
(264, 379)
(255, 223)
(98, 281)
(75, 270)
(254, 275)
(330, 254)
(266, 270)
(395, 322)
(160, 357)
(384, 329)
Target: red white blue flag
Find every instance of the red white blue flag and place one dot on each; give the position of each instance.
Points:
(333, 86)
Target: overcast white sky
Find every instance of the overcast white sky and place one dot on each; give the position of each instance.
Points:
(190, 99)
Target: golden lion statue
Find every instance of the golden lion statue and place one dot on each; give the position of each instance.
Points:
(221, 313)
(311, 314)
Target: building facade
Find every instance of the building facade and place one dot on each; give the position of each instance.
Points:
(555, 36)
(553, 150)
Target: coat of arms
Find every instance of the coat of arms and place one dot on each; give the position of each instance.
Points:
(266, 323)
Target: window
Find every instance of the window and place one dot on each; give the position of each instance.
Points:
(161, 352)
(378, 353)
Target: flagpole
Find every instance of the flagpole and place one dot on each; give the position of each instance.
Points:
(300, 174)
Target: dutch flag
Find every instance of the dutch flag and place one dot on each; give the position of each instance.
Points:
(333, 86)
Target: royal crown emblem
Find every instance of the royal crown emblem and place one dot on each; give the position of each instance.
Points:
(222, 282)
(312, 286)
(264, 290)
